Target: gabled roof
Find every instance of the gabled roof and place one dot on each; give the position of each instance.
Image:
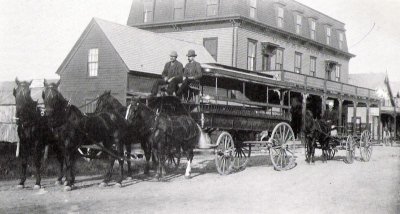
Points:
(141, 50)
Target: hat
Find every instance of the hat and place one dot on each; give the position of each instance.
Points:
(173, 53)
(191, 53)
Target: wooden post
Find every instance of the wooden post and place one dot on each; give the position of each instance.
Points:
(395, 126)
(355, 103)
(323, 105)
(340, 114)
(367, 119)
(304, 109)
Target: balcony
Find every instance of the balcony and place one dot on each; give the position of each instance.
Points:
(320, 84)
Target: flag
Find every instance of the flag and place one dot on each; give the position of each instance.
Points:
(389, 90)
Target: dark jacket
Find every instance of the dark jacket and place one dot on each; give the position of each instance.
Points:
(193, 69)
(175, 70)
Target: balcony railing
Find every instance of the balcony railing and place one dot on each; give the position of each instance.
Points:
(321, 84)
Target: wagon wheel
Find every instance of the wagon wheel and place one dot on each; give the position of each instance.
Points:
(224, 153)
(365, 146)
(350, 149)
(281, 150)
(241, 156)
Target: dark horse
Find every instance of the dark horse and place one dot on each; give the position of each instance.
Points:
(165, 133)
(316, 130)
(33, 132)
(72, 129)
(107, 103)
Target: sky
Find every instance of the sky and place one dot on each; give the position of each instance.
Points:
(37, 35)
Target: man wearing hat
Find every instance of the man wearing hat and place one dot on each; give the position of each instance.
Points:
(191, 74)
(171, 75)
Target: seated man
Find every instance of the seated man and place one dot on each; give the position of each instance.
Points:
(191, 74)
(171, 75)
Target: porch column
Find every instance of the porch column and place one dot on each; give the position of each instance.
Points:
(395, 125)
(340, 122)
(304, 109)
(379, 122)
(323, 105)
(355, 103)
(367, 119)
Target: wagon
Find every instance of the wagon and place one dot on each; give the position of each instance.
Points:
(351, 144)
(237, 110)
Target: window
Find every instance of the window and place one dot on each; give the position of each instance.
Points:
(90, 105)
(212, 7)
(279, 59)
(337, 73)
(211, 45)
(297, 62)
(298, 23)
(93, 62)
(148, 6)
(266, 62)
(253, 8)
(328, 35)
(341, 39)
(251, 54)
(313, 30)
(179, 9)
(280, 17)
(313, 66)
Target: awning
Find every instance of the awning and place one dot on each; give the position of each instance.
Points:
(240, 74)
(269, 48)
(330, 65)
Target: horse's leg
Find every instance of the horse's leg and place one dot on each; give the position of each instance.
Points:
(24, 163)
(128, 151)
(37, 156)
(147, 153)
(308, 150)
(312, 147)
(111, 160)
(60, 159)
(68, 169)
(190, 155)
(121, 162)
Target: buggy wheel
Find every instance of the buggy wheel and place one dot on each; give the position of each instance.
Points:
(281, 151)
(224, 153)
(365, 146)
(350, 149)
(242, 154)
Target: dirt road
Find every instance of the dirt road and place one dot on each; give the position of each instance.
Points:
(333, 187)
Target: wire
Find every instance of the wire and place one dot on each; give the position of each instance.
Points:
(373, 26)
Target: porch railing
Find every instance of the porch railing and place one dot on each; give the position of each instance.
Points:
(321, 84)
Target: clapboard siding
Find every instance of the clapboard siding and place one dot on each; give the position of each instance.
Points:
(290, 47)
(112, 73)
(224, 36)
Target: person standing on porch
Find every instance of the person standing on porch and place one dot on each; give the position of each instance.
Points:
(171, 75)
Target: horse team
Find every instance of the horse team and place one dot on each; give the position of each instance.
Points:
(112, 127)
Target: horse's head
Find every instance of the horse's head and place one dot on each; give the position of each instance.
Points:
(309, 122)
(22, 93)
(132, 111)
(107, 102)
(52, 98)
